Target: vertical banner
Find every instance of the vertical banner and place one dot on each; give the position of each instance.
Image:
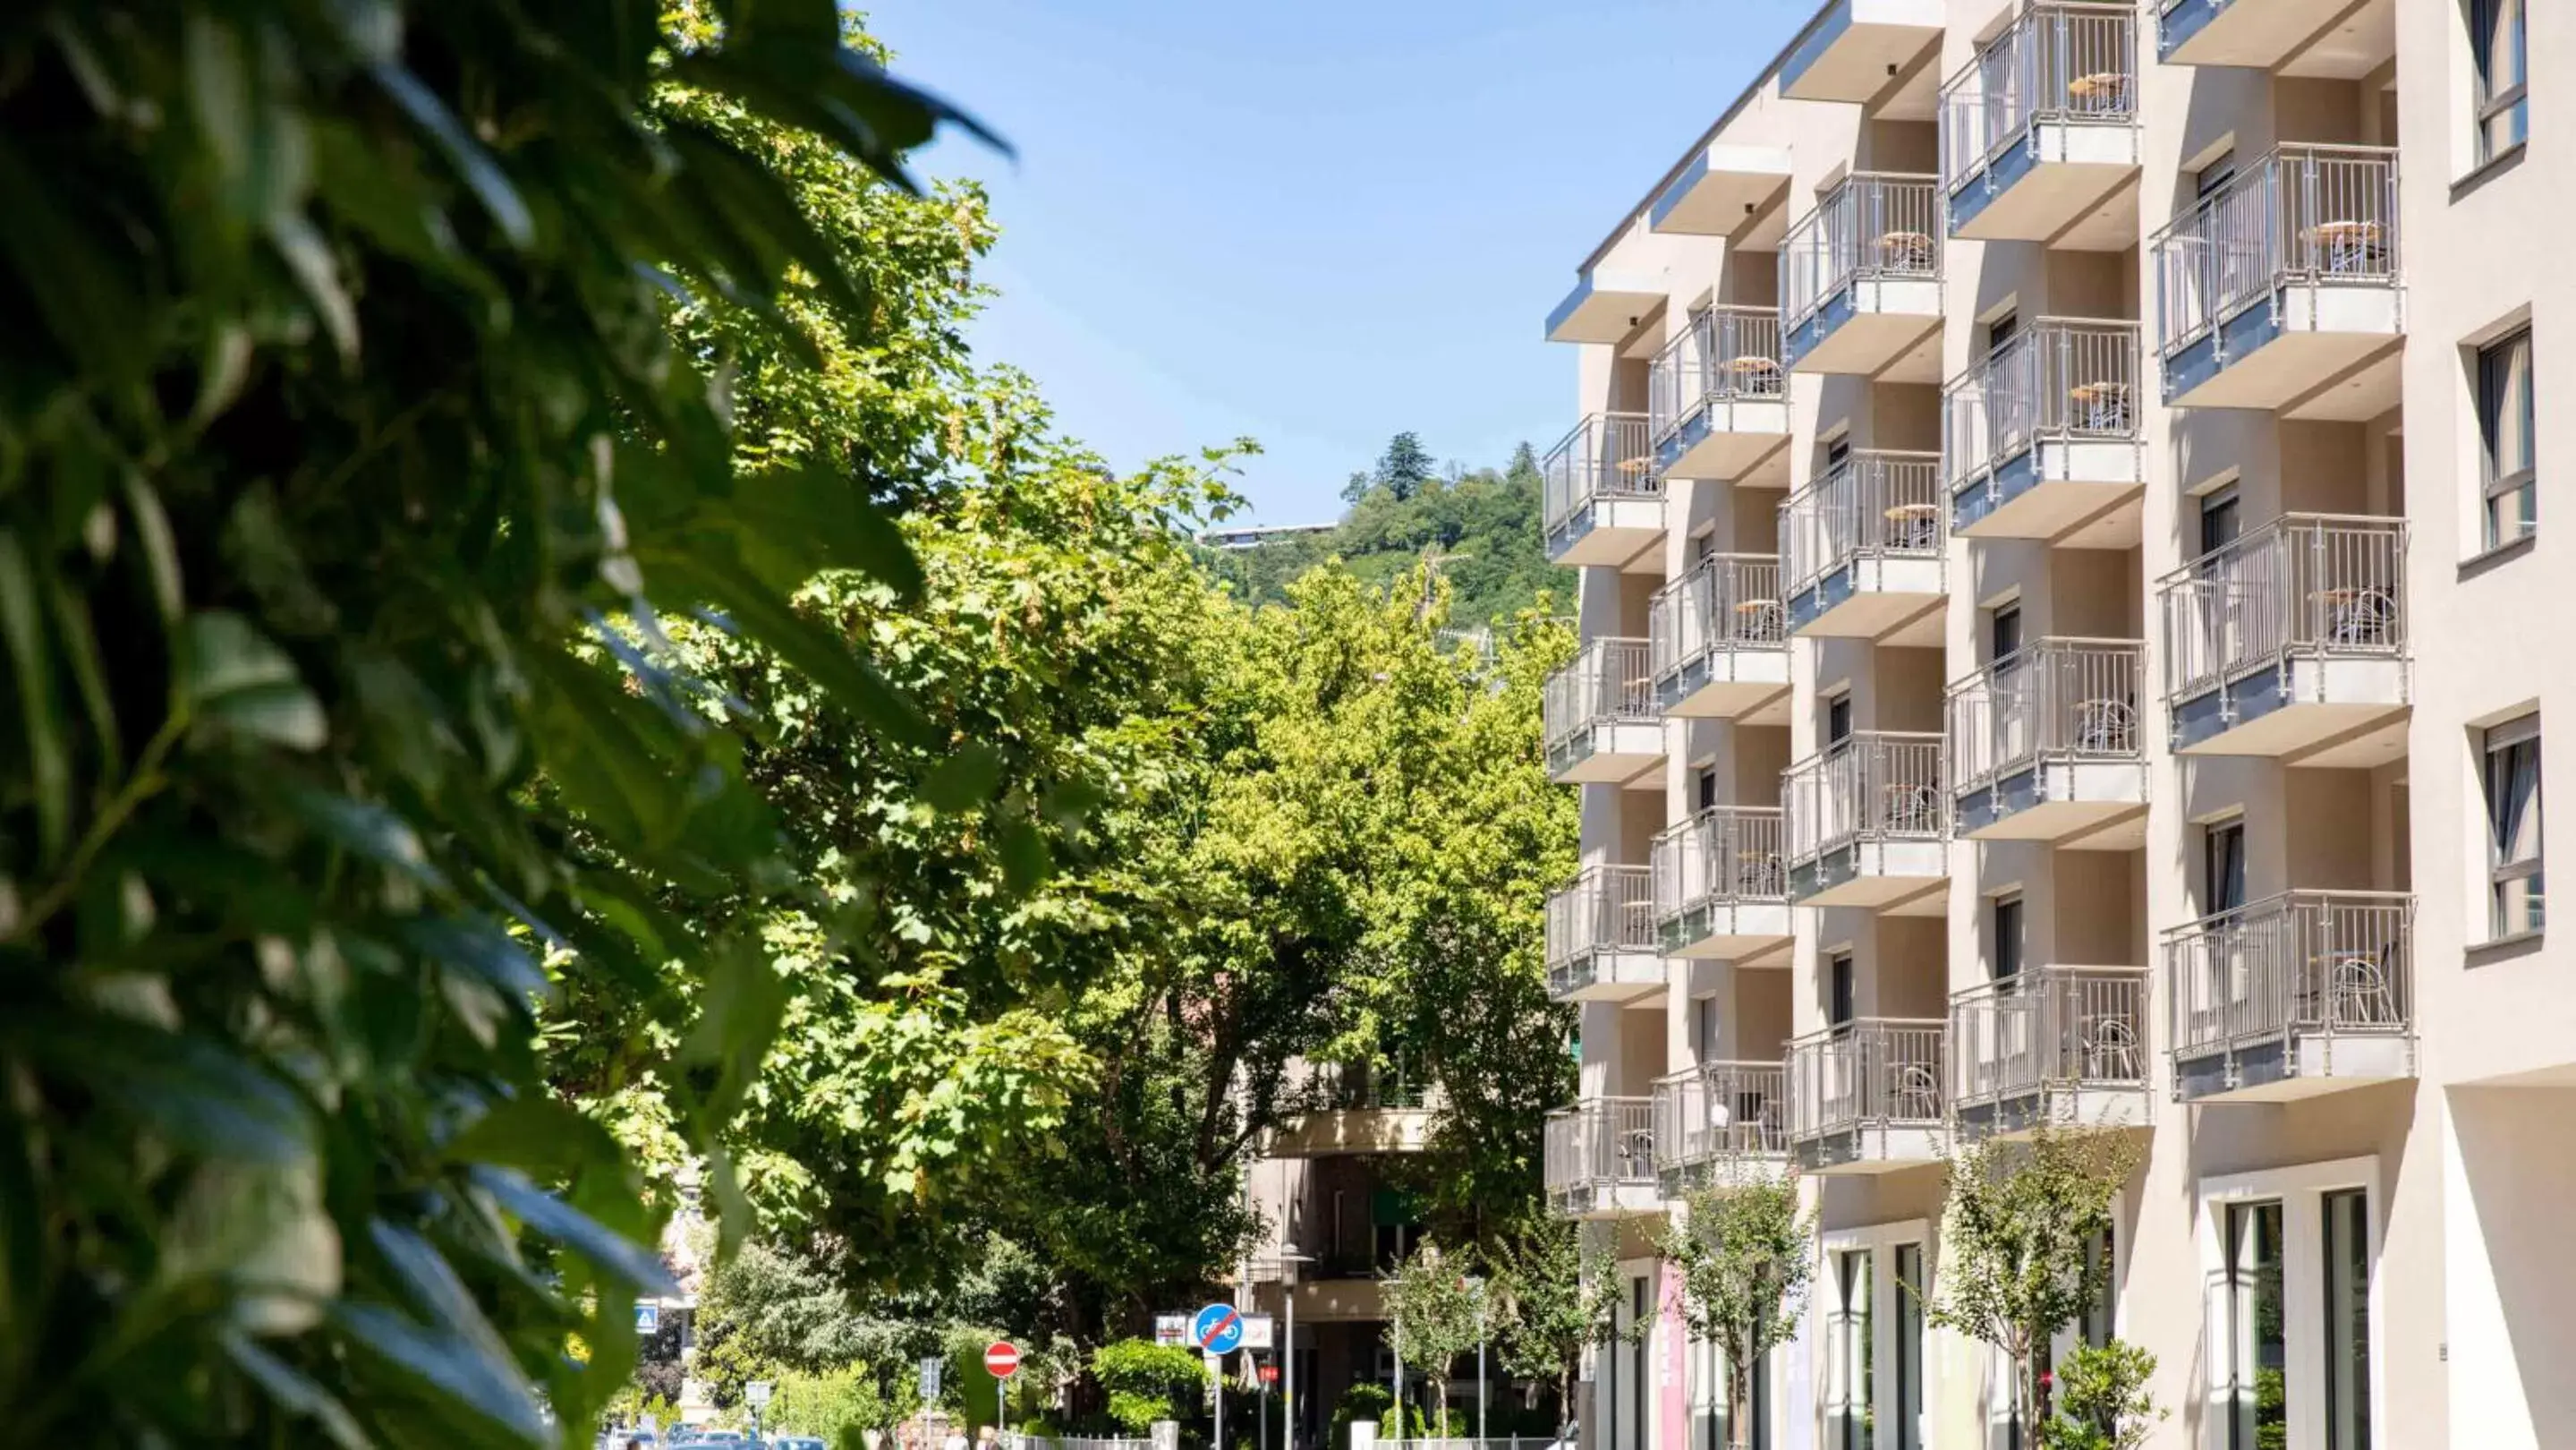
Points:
(1674, 1376)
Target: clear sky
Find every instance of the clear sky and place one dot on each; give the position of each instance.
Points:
(1318, 222)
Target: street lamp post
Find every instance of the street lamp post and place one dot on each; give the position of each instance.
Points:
(1290, 1256)
(1480, 1360)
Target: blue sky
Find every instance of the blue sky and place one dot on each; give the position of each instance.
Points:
(1315, 223)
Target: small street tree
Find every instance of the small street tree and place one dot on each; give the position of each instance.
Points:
(2015, 1241)
(1554, 1297)
(1744, 1255)
(1432, 1302)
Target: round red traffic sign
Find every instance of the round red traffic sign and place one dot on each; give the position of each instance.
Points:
(1002, 1358)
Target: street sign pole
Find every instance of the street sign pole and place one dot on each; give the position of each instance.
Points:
(1217, 1362)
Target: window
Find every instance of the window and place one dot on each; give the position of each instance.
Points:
(2496, 44)
(2101, 1272)
(1837, 453)
(1639, 1358)
(2514, 881)
(2258, 1347)
(1910, 1290)
(1704, 1029)
(2007, 922)
(2222, 867)
(1838, 719)
(2003, 632)
(2218, 526)
(2000, 332)
(2347, 1278)
(2504, 428)
(2213, 178)
(1704, 787)
(1854, 1393)
(1841, 1009)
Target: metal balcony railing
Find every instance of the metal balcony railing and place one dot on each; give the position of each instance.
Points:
(1607, 909)
(1874, 786)
(2303, 214)
(2065, 380)
(1886, 505)
(2301, 964)
(1872, 225)
(1599, 1143)
(2048, 1029)
(1722, 354)
(1724, 854)
(2056, 699)
(2065, 64)
(1362, 1087)
(1607, 681)
(2305, 586)
(1872, 1073)
(1607, 456)
(1726, 602)
(1721, 1109)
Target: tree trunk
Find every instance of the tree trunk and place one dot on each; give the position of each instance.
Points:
(1739, 1401)
(2035, 1370)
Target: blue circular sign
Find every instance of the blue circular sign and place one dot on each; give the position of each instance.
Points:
(1218, 1328)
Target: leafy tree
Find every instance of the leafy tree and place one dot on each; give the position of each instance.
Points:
(1435, 1306)
(1744, 1256)
(1146, 1381)
(1405, 468)
(1557, 1297)
(341, 402)
(2016, 1232)
(2103, 1402)
(827, 1403)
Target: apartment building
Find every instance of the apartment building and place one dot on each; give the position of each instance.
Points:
(2068, 636)
(1339, 1222)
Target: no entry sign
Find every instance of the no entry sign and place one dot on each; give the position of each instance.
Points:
(1003, 1358)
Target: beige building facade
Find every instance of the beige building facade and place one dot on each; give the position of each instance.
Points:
(2069, 626)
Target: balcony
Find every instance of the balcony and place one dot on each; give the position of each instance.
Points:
(2330, 38)
(1604, 308)
(1863, 550)
(1861, 281)
(1599, 716)
(1717, 401)
(1868, 820)
(1865, 1097)
(1600, 1159)
(2291, 641)
(1721, 888)
(1719, 190)
(2304, 993)
(2283, 290)
(2043, 438)
(1357, 1110)
(1603, 500)
(2060, 1047)
(1601, 939)
(1719, 640)
(1720, 1119)
(2045, 744)
(1852, 51)
(2041, 129)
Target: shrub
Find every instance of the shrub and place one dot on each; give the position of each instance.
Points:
(2102, 1399)
(1146, 1381)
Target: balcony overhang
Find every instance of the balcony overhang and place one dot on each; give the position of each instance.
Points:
(1721, 189)
(2055, 175)
(1870, 873)
(1858, 47)
(1352, 1130)
(2299, 1065)
(2312, 350)
(1726, 439)
(2051, 488)
(1623, 533)
(2316, 38)
(2326, 711)
(1603, 308)
(1624, 1198)
(2053, 800)
(1868, 327)
(1607, 974)
(1869, 597)
(1726, 684)
(1675, 1180)
(2017, 1113)
(1359, 1299)
(1609, 752)
(1727, 930)
(1878, 1148)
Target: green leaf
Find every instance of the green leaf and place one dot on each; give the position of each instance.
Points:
(446, 1369)
(613, 1253)
(483, 175)
(536, 1133)
(964, 780)
(480, 948)
(240, 683)
(794, 523)
(294, 1393)
(767, 617)
(371, 831)
(199, 1096)
(1025, 857)
(48, 758)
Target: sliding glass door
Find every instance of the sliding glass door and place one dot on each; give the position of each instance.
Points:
(2347, 1280)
